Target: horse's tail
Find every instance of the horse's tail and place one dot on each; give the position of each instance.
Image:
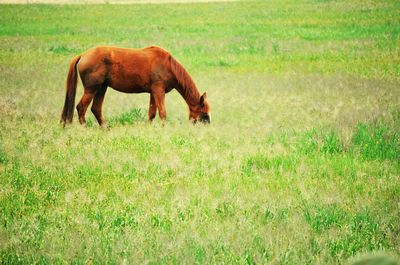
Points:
(72, 80)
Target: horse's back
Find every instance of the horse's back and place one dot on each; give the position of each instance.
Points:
(151, 51)
(125, 69)
(116, 55)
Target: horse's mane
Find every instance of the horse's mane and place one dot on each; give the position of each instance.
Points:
(187, 88)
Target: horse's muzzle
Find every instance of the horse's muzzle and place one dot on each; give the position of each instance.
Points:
(204, 118)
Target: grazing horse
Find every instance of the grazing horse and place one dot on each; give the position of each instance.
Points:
(152, 70)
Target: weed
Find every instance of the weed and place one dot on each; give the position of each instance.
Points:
(376, 142)
(321, 218)
(125, 118)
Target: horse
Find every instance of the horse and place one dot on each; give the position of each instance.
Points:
(150, 70)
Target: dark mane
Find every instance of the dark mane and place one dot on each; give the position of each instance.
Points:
(187, 88)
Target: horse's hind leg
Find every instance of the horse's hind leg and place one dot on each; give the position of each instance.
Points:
(98, 103)
(84, 103)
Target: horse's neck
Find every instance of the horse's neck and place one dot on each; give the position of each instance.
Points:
(184, 83)
(190, 94)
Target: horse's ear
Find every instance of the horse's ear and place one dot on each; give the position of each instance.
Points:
(202, 98)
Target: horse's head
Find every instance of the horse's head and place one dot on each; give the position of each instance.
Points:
(202, 110)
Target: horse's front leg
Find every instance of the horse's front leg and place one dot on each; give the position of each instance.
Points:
(158, 93)
(152, 108)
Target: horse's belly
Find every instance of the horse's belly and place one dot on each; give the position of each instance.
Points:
(130, 89)
(131, 84)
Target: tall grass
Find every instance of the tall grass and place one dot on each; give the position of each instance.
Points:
(300, 164)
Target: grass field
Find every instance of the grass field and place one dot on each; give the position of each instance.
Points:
(300, 165)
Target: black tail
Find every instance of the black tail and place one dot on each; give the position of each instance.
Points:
(72, 80)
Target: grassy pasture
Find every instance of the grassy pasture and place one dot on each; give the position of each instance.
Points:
(299, 166)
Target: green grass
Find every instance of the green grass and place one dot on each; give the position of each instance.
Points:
(300, 164)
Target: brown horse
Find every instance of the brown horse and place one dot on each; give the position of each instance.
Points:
(152, 70)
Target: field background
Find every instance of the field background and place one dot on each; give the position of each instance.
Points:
(108, 1)
(300, 164)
